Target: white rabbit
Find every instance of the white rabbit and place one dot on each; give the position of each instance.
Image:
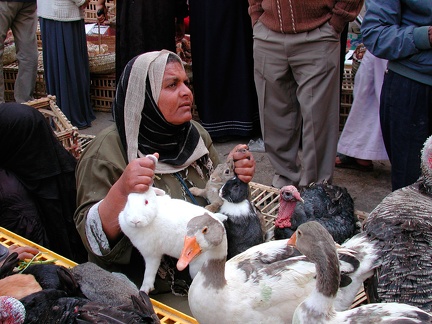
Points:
(155, 223)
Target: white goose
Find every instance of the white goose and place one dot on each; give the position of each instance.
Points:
(264, 284)
(314, 241)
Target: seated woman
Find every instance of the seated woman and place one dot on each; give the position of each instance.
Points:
(37, 182)
(152, 111)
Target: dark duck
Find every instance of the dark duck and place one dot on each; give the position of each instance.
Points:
(243, 225)
(401, 226)
(330, 205)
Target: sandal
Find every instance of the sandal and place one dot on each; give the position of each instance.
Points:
(348, 162)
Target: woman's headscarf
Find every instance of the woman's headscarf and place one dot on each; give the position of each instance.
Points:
(141, 125)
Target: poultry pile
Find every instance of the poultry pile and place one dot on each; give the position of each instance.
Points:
(330, 205)
(265, 283)
(78, 295)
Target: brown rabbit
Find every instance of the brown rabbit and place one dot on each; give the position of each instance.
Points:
(222, 173)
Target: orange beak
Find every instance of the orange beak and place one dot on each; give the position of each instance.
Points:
(190, 250)
(292, 240)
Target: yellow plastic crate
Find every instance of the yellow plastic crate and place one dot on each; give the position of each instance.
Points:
(8, 238)
(166, 314)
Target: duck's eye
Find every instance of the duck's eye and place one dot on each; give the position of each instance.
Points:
(204, 230)
(299, 233)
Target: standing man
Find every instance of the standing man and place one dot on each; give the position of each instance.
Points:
(20, 16)
(401, 32)
(296, 66)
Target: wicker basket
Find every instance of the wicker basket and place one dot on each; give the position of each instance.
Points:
(9, 54)
(102, 63)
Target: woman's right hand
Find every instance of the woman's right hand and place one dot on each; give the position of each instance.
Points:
(138, 175)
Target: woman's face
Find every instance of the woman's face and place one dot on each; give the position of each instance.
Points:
(175, 99)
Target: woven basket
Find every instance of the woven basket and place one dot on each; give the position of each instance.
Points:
(102, 63)
(9, 54)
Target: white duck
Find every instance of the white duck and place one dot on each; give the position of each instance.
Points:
(264, 284)
(314, 241)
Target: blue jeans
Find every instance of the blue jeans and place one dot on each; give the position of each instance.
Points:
(405, 114)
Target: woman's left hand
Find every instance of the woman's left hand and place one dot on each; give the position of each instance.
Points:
(244, 162)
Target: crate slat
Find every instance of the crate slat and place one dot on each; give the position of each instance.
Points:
(346, 96)
(65, 132)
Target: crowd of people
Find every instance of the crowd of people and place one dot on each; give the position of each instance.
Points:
(284, 66)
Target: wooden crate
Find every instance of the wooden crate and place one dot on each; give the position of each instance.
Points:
(66, 133)
(39, 37)
(346, 96)
(102, 91)
(10, 73)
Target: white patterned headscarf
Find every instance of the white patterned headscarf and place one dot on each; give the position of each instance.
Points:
(142, 127)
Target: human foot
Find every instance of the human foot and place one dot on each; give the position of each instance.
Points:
(348, 162)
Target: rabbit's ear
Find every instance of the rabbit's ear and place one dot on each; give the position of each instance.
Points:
(229, 166)
(159, 192)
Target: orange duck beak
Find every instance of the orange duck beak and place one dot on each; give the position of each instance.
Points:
(191, 249)
(292, 240)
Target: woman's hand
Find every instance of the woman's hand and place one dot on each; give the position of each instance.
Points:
(24, 252)
(137, 177)
(244, 162)
(101, 11)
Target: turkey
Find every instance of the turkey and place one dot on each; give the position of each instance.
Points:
(401, 226)
(330, 205)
